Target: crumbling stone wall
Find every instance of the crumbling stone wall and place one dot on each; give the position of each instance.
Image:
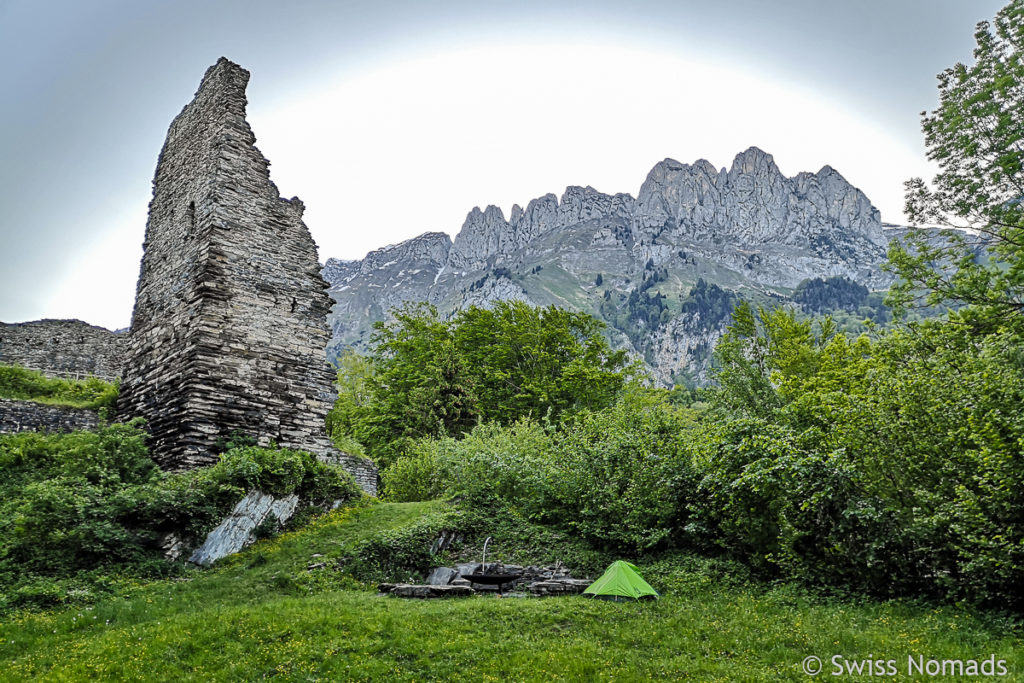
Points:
(62, 348)
(29, 416)
(230, 320)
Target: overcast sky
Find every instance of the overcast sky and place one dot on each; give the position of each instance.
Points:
(390, 119)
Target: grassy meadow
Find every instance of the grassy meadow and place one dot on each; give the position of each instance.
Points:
(263, 614)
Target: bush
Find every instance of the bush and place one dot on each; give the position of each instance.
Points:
(88, 503)
(622, 479)
(423, 475)
(616, 476)
(402, 554)
(491, 467)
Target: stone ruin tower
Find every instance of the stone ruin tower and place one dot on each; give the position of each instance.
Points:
(230, 320)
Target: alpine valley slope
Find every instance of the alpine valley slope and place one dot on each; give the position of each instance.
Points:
(662, 269)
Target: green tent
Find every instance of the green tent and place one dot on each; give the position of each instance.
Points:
(621, 582)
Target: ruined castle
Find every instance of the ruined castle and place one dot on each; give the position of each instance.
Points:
(230, 321)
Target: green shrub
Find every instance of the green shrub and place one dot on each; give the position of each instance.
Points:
(422, 475)
(65, 502)
(621, 476)
(84, 504)
(280, 471)
(618, 476)
(402, 554)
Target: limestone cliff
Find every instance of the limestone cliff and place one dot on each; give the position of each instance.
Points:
(633, 262)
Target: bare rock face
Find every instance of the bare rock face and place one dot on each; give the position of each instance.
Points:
(230, 319)
(387, 278)
(484, 235)
(777, 231)
(236, 531)
(581, 204)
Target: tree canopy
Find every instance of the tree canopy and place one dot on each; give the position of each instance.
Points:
(431, 377)
(976, 135)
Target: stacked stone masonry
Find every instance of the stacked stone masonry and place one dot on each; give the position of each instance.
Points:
(28, 416)
(230, 320)
(62, 348)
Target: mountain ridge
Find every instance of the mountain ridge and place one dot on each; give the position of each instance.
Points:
(632, 261)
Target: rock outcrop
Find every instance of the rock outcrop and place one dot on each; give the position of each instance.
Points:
(236, 531)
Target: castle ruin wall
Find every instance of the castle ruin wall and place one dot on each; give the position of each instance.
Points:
(230, 321)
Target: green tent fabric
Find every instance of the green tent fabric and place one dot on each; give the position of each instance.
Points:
(621, 581)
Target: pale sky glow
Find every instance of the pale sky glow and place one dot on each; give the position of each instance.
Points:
(502, 124)
(396, 119)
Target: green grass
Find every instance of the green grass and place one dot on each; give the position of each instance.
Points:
(263, 614)
(30, 385)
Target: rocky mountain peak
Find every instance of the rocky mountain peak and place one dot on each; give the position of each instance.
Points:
(585, 203)
(541, 215)
(483, 235)
(754, 161)
(743, 228)
(428, 249)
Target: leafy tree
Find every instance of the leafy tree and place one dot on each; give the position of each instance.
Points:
(976, 136)
(419, 385)
(537, 361)
(428, 377)
(761, 352)
(354, 395)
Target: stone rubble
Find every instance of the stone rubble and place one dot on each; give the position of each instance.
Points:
(442, 581)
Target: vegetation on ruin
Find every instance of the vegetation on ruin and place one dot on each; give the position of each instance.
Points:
(30, 385)
(84, 511)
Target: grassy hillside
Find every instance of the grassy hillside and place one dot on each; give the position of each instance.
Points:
(264, 614)
(31, 385)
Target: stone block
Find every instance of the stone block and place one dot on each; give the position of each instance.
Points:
(467, 568)
(442, 576)
(424, 592)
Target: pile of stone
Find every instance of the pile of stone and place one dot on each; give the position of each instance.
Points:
(405, 590)
(454, 581)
